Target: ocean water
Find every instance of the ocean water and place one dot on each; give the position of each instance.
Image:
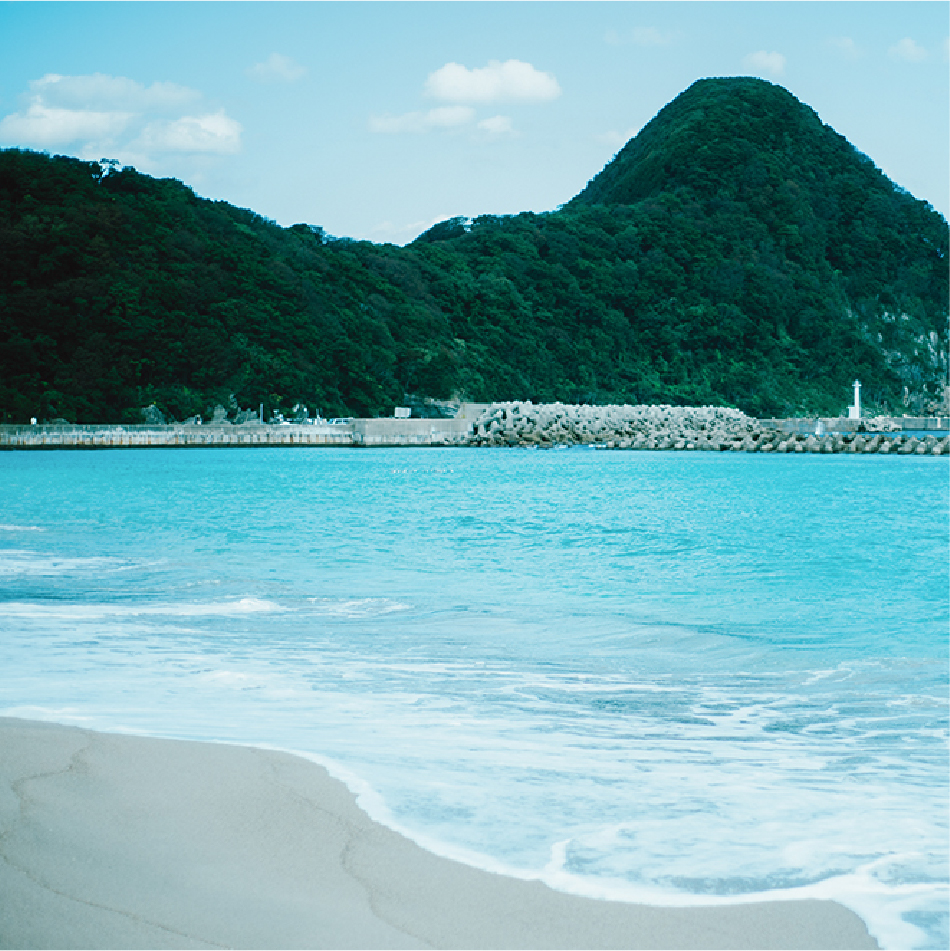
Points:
(669, 677)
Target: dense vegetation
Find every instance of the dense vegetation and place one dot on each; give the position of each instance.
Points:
(735, 252)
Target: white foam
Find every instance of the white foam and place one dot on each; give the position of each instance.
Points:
(878, 903)
(23, 562)
(355, 607)
(275, 687)
(21, 528)
(374, 805)
(867, 890)
(574, 688)
(93, 611)
(843, 672)
(604, 685)
(67, 716)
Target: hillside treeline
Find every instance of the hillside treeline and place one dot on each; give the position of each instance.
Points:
(736, 252)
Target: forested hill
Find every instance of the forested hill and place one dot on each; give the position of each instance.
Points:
(737, 251)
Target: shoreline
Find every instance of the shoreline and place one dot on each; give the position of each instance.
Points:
(523, 425)
(109, 840)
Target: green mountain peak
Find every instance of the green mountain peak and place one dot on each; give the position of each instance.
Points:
(737, 251)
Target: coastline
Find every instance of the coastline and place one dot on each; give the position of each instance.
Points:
(109, 840)
(523, 425)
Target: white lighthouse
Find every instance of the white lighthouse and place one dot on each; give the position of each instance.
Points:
(854, 412)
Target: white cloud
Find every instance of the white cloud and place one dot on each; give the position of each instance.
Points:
(846, 47)
(509, 81)
(618, 139)
(47, 128)
(764, 62)
(277, 67)
(215, 132)
(96, 115)
(99, 92)
(403, 234)
(497, 125)
(908, 51)
(456, 84)
(450, 117)
(445, 117)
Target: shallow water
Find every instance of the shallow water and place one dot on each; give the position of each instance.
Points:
(670, 677)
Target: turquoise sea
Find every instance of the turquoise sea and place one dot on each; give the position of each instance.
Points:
(669, 677)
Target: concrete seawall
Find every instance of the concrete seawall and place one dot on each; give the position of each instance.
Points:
(411, 432)
(938, 425)
(358, 432)
(517, 424)
(162, 437)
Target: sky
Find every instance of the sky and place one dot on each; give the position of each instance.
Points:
(374, 120)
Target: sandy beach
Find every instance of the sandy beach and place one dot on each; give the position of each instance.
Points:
(110, 841)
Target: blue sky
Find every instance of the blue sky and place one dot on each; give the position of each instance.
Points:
(374, 120)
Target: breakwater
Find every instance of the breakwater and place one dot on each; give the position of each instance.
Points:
(527, 425)
(707, 428)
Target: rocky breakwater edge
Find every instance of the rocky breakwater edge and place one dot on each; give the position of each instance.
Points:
(678, 428)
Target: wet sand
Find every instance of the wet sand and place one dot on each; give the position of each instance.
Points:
(110, 841)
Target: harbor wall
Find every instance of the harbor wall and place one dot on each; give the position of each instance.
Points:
(163, 437)
(411, 432)
(843, 424)
(386, 432)
(357, 432)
